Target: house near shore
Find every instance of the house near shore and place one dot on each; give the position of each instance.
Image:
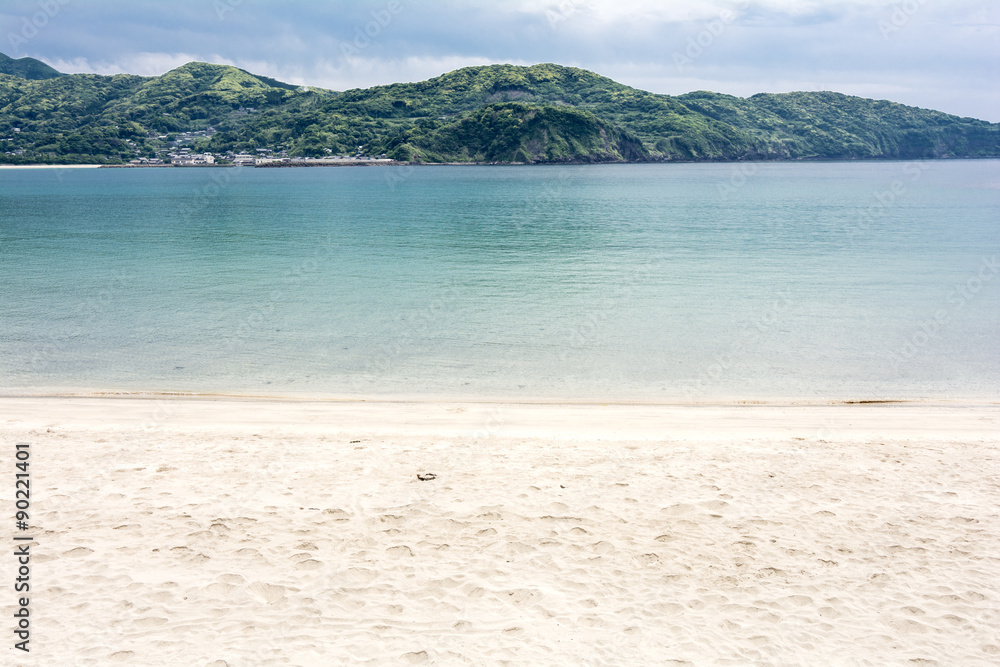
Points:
(192, 160)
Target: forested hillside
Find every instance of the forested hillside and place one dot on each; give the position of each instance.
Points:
(27, 68)
(496, 113)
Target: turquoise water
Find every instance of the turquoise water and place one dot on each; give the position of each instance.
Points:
(631, 282)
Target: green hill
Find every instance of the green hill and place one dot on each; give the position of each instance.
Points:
(496, 113)
(517, 132)
(27, 68)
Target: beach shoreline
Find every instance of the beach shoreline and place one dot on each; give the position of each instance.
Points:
(498, 418)
(50, 166)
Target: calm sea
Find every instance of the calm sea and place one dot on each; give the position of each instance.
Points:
(631, 282)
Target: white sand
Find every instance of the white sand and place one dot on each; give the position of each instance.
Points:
(196, 532)
(50, 166)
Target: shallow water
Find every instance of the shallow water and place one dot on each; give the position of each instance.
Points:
(621, 282)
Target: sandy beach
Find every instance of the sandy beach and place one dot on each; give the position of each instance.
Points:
(49, 166)
(236, 532)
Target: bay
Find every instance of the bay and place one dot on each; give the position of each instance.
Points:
(670, 282)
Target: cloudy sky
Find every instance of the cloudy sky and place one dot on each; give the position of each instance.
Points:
(940, 54)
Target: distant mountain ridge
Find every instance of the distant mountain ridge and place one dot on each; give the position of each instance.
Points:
(27, 68)
(496, 113)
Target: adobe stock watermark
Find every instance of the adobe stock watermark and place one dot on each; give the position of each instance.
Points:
(223, 7)
(886, 199)
(753, 332)
(391, 351)
(739, 175)
(89, 312)
(163, 410)
(543, 203)
(710, 32)
(363, 35)
(494, 421)
(220, 179)
(563, 11)
(396, 176)
(32, 25)
(900, 16)
(958, 298)
(582, 333)
(293, 279)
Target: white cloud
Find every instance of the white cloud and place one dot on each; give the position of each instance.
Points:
(143, 64)
(340, 74)
(941, 56)
(667, 11)
(365, 72)
(955, 96)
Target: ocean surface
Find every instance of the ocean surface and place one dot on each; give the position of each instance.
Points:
(683, 282)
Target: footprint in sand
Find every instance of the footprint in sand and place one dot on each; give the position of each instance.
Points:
(402, 551)
(310, 564)
(604, 548)
(358, 576)
(648, 560)
(78, 552)
(151, 622)
(392, 520)
(266, 593)
(522, 597)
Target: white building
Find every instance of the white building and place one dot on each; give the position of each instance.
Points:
(192, 160)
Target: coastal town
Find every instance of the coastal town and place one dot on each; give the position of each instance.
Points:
(181, 154)
(179, 151)
(262, 158)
